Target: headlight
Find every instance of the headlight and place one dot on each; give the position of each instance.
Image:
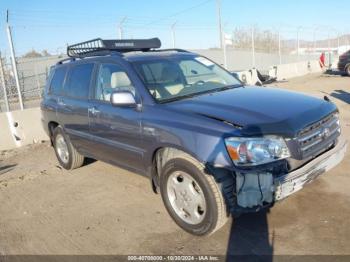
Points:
(256, 151)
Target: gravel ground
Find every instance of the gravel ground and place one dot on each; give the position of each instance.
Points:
(101, 209)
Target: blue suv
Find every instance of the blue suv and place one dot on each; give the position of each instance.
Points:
(210, 145)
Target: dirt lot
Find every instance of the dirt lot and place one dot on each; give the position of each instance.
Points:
(101, 209)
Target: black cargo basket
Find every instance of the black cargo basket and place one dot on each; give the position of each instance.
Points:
(99, 46)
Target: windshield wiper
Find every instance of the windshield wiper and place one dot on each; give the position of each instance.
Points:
(172, 99)
(226, 88)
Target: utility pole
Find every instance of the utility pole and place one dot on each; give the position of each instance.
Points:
(2, 72)
(314, 41)
(120, 27)
(173, 33)
(13, 59)
(329, 49)
(279, 47)
(218, 4)
(253, 47)
(224, 50)
(298, 42)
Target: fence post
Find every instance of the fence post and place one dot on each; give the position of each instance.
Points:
(253, 48)
(36, 76)
(14, 66)
(279, 47)
(218, 6)
(224, 50)
(173, 33)
(2, 72)
(120, 27)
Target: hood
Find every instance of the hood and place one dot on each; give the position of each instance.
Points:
(259, 110)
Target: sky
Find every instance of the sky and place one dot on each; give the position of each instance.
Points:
(51, 25)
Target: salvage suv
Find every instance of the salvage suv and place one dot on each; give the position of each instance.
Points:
(210, 145)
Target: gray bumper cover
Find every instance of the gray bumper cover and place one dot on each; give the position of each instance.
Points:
(294, 181)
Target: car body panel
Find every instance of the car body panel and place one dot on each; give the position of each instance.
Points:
(344, 61)
(117, 134)
(275, 111)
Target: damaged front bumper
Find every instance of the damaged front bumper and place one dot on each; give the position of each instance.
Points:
(255, 190)
(296, 180)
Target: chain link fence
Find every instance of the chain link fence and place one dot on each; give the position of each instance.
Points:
(32, 74)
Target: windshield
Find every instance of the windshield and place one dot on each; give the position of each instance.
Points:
(169, 79)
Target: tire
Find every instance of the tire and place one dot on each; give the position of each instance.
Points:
(347, 70)
(207, 218)
(71, 159)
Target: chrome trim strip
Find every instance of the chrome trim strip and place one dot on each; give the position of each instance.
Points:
(311, 145)
(319, 131)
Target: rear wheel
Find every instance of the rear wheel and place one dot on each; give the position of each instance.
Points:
(347, 70)
(192, 198)
(66, 154)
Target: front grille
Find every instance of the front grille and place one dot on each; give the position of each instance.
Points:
(319, 136)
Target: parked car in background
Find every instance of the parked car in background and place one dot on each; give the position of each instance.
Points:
(344, 63)
(210, 145)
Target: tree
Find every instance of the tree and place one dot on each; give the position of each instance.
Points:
(264, 41)
(45, 53)
(32, 54)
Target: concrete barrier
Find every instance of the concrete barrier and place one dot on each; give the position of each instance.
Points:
(19, 128)
(286, 71)
(249, 77)
(315, 66)
(335, 63)
(7, 140)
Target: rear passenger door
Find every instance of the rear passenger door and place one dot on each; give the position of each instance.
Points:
(74, 105)
(116, 130)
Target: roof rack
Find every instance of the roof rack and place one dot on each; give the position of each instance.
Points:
(98, 46)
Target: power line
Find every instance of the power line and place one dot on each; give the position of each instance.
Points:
(179, 12)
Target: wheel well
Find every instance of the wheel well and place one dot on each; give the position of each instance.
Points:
(159, 158)
(52, 125)
(224, 177)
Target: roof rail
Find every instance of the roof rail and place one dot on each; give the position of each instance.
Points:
(70, 59)
(99, 46)
(171, 49)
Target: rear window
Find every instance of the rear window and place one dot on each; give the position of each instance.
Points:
(56, 85)
(79, 81)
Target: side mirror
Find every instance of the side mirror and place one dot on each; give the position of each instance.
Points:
(123, 99)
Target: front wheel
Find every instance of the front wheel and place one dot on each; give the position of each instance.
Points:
(192, 197)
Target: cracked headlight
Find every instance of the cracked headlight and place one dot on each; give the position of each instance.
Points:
(253, 151)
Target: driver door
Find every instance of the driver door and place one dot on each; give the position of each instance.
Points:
(116, 130)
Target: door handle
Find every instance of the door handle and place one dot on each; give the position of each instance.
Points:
(94, 111)
(60, 102)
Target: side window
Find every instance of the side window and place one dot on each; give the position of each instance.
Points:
(56, 85)
(111, 78)
(79, 81)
